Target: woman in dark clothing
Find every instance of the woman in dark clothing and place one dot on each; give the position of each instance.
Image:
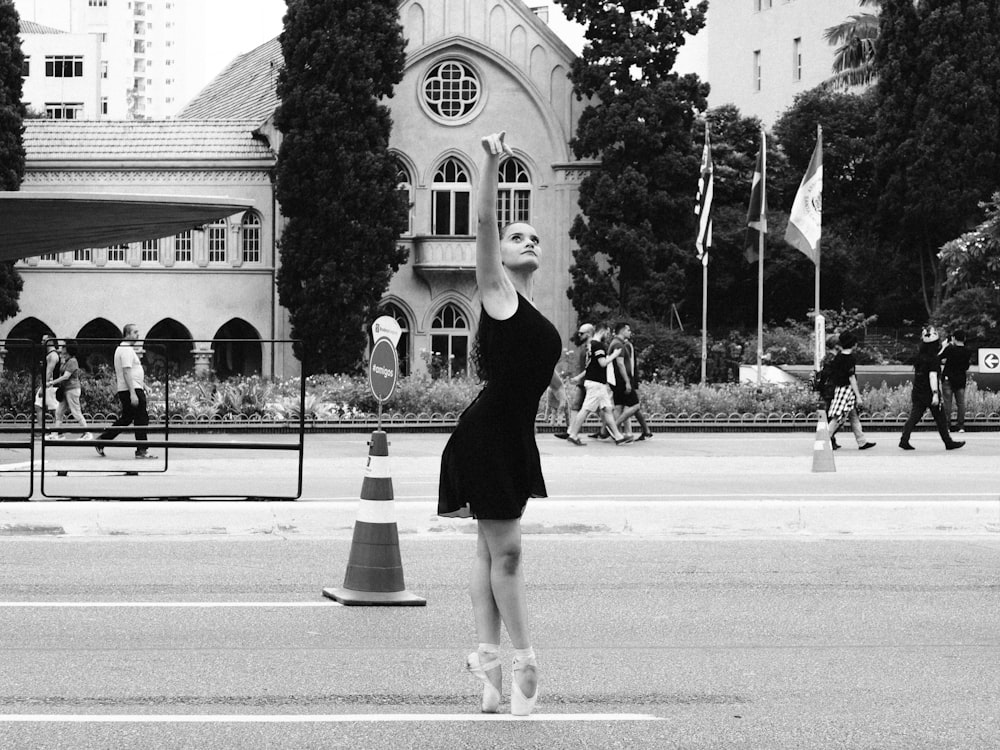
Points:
(490, 466)
(847, 394)
(927, 392)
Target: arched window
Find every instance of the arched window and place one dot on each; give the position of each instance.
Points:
(513, 192)
(451, 199)
(449, 343)
(217, 241)
(403, 346)
(405, 185)
(250, 231)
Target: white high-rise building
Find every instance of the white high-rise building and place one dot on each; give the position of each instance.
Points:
(137, 59)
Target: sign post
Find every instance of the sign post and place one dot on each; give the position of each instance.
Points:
(989, 360)
(383, 365)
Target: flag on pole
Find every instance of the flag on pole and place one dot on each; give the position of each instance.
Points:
(703, 205)
(805, 222)
(757, 213)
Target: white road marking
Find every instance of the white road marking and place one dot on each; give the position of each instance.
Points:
(167, 605)
(305, 718)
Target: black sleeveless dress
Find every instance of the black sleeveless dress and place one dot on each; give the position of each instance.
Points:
(490, 466)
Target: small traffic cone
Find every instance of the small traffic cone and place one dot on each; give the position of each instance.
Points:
(374, 569)
(822, 447)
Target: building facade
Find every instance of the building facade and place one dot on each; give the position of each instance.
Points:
(761, 53)
(136, 64)
(61, 77)
(472, 68)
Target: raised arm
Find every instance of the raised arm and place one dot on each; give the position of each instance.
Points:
(495, 287)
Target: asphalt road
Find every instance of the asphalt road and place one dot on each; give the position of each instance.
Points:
(642, 643)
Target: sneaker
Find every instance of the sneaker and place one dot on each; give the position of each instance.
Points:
(143, 454)
(87, 436)
(954, 445)
(100, 450)
(834, 443)
(906, 446)
(574, 441)
(626, 439)
(55, 436)
(866, 446)
(647, 436)
(560, 435)
(962, 430)
(597, 436)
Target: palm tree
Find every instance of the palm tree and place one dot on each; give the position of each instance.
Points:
(856, 39)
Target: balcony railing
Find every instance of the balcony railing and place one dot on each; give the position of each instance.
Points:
(439, 253)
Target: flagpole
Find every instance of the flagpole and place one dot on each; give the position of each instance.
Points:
(704, 321)
(760, 256)
(819, 255)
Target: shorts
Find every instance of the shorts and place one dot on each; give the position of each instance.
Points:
(598, 396)
(625, 398)
(575, 396)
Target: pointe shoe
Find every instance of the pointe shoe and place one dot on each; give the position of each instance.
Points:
(491, 696)
(520, 704)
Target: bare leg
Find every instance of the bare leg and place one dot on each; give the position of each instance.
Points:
(484, 606)
(609, 420)
(502, 542)
(578, 419)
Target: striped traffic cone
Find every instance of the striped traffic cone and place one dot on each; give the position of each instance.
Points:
(375, 570)
(822, 448)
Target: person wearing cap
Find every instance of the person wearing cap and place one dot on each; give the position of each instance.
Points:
(575, 391)
(847, 394)
(926, 393)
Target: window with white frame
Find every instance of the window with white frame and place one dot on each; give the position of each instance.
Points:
(63, 66)
(250, 229)
(404, 184)
(26, 66)
(451, 199)
(149, 251)
(64, 110)
(449, 343)
(116, 253)
(183, 247)
(451, 89)
(513, 192)
(217, 242)
(49, 257)
(83, 255)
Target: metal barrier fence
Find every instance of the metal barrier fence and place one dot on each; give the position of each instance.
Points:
(40, 430)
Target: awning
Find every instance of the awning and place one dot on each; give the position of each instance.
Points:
(36, 223)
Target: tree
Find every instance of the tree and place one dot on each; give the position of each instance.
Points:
(635, 235)
(856, 40)
(937, 138)
(335, 178)
(12, 154)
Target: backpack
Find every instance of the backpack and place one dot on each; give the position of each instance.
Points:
(823, 382)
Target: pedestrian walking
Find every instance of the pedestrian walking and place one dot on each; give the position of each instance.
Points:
(955, 360)
(574, 392)
(926, 393)
(490, 465)
(598, 398)
(130, 380)
(47, 397)
(625, 390)
(846, 394)
(70, 386)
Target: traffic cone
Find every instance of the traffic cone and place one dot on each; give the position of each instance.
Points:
(822, 448)
(374, 569)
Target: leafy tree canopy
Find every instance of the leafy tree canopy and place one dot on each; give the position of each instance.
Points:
(12, 115)
(335, 178)
(635, 234)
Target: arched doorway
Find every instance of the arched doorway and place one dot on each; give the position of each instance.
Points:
(95, 355)
(239, 357)
(20, 356)
(168, 356)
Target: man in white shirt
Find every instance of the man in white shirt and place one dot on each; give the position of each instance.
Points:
(130, 378)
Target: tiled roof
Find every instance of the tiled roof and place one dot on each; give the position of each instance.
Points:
(30, 27)
(246, 89)
(142, 140)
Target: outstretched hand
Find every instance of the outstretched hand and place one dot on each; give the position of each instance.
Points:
(494, 145)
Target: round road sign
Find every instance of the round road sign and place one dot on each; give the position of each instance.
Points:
(382, 369)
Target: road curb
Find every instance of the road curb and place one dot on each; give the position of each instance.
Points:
(666, 518)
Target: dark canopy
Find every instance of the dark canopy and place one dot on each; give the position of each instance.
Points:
(35, 223)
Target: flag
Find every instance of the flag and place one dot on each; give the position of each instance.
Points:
(805, 222)
(703, 205)
(757, 213)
